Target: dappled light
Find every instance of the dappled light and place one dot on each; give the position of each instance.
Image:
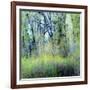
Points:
(50, 44)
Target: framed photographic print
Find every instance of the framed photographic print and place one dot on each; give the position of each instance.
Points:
(48, 44)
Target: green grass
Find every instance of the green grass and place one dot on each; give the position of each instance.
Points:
(49, 66)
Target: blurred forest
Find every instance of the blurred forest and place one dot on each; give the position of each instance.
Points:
(49, 44)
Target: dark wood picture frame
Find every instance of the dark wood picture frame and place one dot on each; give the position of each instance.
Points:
(13, 44)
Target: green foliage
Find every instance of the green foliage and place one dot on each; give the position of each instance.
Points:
(49, 66)
(56, 48)
(76, 27)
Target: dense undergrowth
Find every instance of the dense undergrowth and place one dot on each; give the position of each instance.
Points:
(49, 66)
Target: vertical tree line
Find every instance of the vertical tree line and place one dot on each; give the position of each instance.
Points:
(55, 33)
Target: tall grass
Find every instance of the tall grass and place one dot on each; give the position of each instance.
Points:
(49, 66)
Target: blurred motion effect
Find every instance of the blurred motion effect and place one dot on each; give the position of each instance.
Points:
(49, 44)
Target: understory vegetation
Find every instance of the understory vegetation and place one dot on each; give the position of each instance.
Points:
(49, 66)
(49, 44)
